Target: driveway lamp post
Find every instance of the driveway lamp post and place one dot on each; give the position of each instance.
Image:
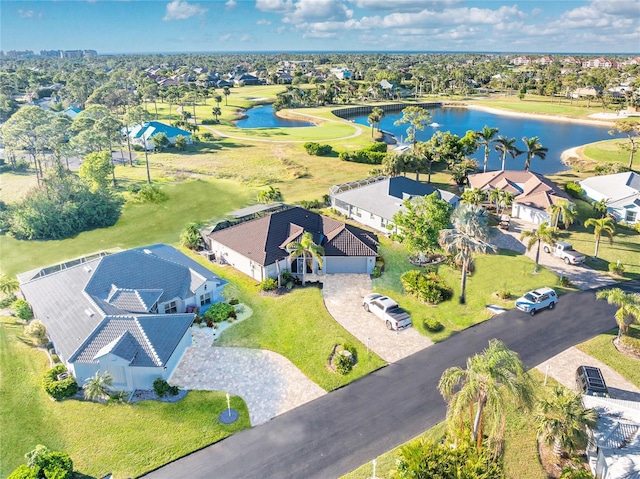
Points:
(229, 415)
(375, 463)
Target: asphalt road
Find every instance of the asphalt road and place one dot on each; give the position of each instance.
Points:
(340, 431)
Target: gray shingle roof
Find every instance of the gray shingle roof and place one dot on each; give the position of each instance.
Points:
(263, 240)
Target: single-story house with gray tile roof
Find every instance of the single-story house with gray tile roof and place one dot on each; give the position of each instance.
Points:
(621, 191)
(142, 134)
(125, 313)
(258, 247)
(374, 201)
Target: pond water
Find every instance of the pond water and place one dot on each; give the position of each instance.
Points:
(555, 135)
(264, 117)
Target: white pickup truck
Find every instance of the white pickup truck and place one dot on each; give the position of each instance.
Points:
(387, 309)
(565, 252)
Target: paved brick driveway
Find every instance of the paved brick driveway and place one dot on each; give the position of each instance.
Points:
(343, 295)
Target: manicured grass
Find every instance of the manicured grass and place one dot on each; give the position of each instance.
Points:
(14, 186)
(520, 455)
(139, 224)
(296, 325)
(515, 273)
(543, 105)
(602, 348)
(608, 151)
(138, 437)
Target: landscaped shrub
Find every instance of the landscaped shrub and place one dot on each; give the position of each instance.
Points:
(616, 268)
(173, 390)
(268, 284)
(631, 342)
(220, 312)
(206, 136)
(609, 168)
(208, 121)
(426, 285)
(22, 309)
(433, 325)
(371, 155)
(503, 294)
(376, 272)
(316, 149)
(43, 463)
(234, 301)
(343, 363)
(160, 387)
(564, 281)
(36, 331)
(61, 388)
(7, 300)
(150, 194)
(574, 190)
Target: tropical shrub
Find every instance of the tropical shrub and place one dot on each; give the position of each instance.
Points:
(208, 121)
(433, 325)
(206, 136)
(22, 309)
(343, 363)
(426, 285)
(36, 331)
(609, 168)
(220, 312)
(150, 194)
(574, 190)
(370, 155)
(160, 387)
(316, 149)
(59, 388)
(180, 143)
(44, 464)
(616, 268)
(268, 284)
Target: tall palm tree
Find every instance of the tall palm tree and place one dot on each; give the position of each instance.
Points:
(468, 236)
(505, 199)
(506, 146)
(563, 209)
(629, 304)
(534, 148)
(486, 137)
(490, 381)
(562, 420)
(226, 92)
(308, 250)
(601, 225)
(542, 234)
(474, 196)
(8, 284)
(97, 386)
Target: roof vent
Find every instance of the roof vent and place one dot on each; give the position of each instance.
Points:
(146, 251)
(89, 312)
(87, 268)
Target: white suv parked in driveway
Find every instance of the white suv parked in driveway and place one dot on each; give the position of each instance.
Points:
(536, 300)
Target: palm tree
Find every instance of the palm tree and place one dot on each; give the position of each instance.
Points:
(97, 386)
(505, 199)
(629, 304)
(562, 420)
(601, 225)
(270, 195)
(506, 146)
(486, 137)
(490, 381)
(474, 196)
(534, 148)
(216, 112)
(308, 250)
(563, 209)
(542, 234)
(8, 284)
(468, 236)
(226, 92)
(191, 237)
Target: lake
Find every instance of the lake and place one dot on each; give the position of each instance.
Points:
(263, 117)
(555, 135)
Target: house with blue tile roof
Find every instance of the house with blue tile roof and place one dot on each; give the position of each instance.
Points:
(142, 133)
(125, 313)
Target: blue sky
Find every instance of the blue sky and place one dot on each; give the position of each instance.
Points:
(580, 26)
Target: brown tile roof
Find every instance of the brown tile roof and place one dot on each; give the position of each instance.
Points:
(263, 240)
(530, 189)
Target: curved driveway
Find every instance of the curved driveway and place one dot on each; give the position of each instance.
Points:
(340, 431)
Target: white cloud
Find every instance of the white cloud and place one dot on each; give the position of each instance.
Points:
(245, 38)
(230, 3)
(404, 4)
(225, 37)
(181, 10)
(278, 6)
(263, 21)
(29, 14)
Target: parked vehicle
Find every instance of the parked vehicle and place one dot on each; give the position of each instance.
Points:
(538, 299)
(589, 380)
(565, 252)
(387, 309)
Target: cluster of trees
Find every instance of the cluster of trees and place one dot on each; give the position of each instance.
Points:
(42, 463)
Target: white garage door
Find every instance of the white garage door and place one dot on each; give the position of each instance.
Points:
(532, 215)
(336, 265)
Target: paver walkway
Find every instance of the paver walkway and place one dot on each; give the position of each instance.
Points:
(562, 368)
(343, 293)
(581, 276)
(268, 382)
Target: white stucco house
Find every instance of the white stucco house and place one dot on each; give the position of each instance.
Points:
(127, 313)
(258, 247)
(613, 450)
(621, 191)
(373, 201)
(533, 193)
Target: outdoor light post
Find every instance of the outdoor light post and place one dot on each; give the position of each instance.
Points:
(228, 405)
(375, 463)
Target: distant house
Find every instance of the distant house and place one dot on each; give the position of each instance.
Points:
(142, 134)
(341, 73)
(592, 91)
(374, 201)
(246, 79)
(72, 112)
(621, 191)
(613, 451)
(521, 60)
(533, 193)
(222, 83)
(258, 247)
(124, 313)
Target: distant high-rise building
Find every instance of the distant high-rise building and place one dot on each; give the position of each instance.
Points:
(90, 53)
(51, 53)
(73, 54)
(19, 53)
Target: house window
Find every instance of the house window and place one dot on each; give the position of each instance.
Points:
(630, 216)
(356, 211)
(171, 308)
(205, 299)
(154, 308)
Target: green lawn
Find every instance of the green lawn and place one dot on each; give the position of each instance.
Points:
(602, 348)
(140, 436)
(520, 446)
(296, 325)
(515, 273)
(540, 104)
(607, 151)
(139, 224)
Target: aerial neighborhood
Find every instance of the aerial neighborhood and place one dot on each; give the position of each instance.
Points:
(384, 262)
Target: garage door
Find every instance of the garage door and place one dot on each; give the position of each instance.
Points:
(336, 265)
(532, 215)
